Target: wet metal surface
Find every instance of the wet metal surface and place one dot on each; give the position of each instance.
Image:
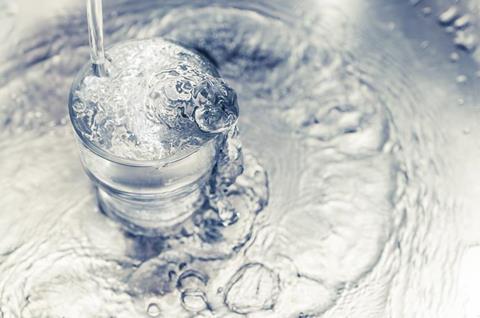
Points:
(364, 115)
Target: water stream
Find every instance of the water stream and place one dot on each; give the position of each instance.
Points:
(361, 118)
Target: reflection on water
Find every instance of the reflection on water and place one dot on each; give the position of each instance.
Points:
(353, 109)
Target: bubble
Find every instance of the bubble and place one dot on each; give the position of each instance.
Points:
(191, 279)
(153, 310)
(184, 94)
(218, 108)
(427, 10)
(194, 300)
(454, 57)
(461, 79)
(79, 108)
(465, 40)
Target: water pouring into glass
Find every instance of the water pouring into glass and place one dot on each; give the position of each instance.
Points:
(95, 36)
(153, 126)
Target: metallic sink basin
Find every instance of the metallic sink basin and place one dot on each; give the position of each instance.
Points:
(362, 114)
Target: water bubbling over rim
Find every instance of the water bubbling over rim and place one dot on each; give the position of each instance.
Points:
(177, 156)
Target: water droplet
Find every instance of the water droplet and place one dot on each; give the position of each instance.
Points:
(153, 310)
(461, 79)
(461, 101)
(466, 131)
(191, 279)
(477, 73)
(424, 44)
(219, 109)
(427, 11)
(194, 300)
(465, 40)
(450, 29)
(463, 21)
(449, 15)
(454, 57)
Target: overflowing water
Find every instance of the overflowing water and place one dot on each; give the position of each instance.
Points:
(157, 100)
(359, 120)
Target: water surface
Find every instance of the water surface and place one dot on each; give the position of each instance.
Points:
(363, 121)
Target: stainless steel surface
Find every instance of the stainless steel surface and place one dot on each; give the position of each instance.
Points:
(363, 113)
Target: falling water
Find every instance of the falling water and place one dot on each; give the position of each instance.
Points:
(95, 36)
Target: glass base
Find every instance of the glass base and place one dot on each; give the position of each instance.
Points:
(150, 215)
